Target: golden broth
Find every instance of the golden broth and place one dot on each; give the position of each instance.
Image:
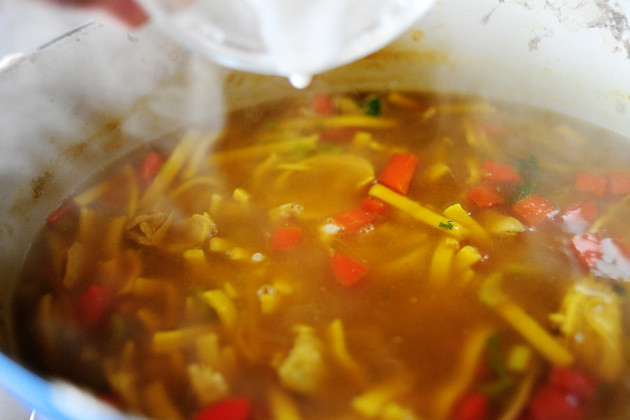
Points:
(251, 265)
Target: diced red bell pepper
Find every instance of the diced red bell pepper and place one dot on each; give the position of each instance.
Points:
(347, 271)
(473, 406)
(588, 248)
(286, 238)
(353, 220)
(581, 212)
(234, 408)
(150, 166)
(64, 209)
(94, 305)
(620, 182)
(485, 196)
(591, 183)
(500, 173)
(398, 172)
(323, 104)
(534, 209)
(573, 381)
(374, 205)
(550, 403)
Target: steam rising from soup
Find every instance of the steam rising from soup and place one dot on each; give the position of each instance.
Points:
(379, 255)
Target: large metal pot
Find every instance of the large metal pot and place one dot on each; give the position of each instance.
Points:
(92, 96)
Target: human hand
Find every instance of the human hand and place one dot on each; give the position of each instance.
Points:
(127, 11)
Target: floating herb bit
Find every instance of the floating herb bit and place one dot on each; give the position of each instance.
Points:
(530, 174)
(372, 107)
(448, 225)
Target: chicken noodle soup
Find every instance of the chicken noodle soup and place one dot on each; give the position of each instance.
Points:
(391, 256)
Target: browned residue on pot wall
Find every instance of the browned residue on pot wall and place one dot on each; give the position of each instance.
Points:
(39, 184)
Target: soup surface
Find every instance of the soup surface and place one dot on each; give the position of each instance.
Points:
(388, 255)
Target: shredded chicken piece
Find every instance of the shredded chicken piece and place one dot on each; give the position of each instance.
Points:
(159, 229)
(209, 385)
(303, 370)
(591, 319)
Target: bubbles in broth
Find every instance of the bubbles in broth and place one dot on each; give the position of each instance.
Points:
(391, 256)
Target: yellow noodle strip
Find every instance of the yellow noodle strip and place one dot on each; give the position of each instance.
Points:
(87, 225)
(437, 171)
(173, 340)
(403, 101)
(241, 196)
(491, 294)
(466, 108)
(340, 121)
(372, 402)
(269, 301)
(394, 411)
(200, 181)
(474, 175)
(570, 134)
(258, 174)
(337, 339)
(401, 265)
(113, 237)
(365, 140)
(419, 212)
(347, 105)
(519, 358)
(465, 258)
(263, 150)
(125, 180)
(208, 350)
(134, 191)
(459, 215)
(196, 262)
(198, 155)
(429, 113)
(440, 267)
(123, 382)
(501, 224)
(224, 306)
(149, 319)
(536, 335)
(169, 170)
(73, 264)
(282, 406)
(47, 328)
(521, 396)
(87, 197)
(159, 403)
(464, 373)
